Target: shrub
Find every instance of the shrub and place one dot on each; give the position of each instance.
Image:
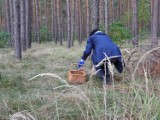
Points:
(44, 34)
(119, 33)
(4, 38)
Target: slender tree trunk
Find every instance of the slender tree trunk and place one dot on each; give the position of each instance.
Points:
(87, 17)
(28, 7)
(79, 21)
(106, 17)
(68, 23)
(34, 20)
(8, 21)
(61, 22)
(37, 24)
(23, 25)
(17, 40)
(55, 22)
(40, 13)
(95, 14)
(72, 21)
(129, 12)
(4, 16)
(58, 22)
(111, 11)
(76, 19)
(154, 35)
(11, 21)
(135, 22)
(101, 12)
(159, 19)
(46, 11)
(52, 26)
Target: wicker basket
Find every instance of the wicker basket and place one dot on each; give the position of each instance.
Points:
(76, 76)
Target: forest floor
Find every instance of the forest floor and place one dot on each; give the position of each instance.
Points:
(36, 88)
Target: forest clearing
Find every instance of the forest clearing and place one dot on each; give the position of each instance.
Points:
(40, 40)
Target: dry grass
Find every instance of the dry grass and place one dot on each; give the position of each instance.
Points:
(37, 88)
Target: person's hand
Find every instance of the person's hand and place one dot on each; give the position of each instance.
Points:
(80, 64)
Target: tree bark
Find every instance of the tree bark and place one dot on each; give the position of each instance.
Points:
(8, 21)
(68, 23)
(23, 24)
(154, 32)
(106, 17)
(37, 23)
(46, 15)
(16, 9)
(59, 22)
(135, 22)
(52, 26)
(95, 14)
(55, 22)
(11, 21)
(87, 18)
(28, 7)
(79, 21)
(72, 21)
(159, 19)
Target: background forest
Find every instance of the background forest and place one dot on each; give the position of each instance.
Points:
(69, 20)
(39, 39)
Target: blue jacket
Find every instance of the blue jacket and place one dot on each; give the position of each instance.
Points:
(100, 43)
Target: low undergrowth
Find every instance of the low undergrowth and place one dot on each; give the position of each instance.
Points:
(36, 88)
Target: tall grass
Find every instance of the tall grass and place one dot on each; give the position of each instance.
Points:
(36, 88)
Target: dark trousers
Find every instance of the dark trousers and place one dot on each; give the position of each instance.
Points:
(103, 73)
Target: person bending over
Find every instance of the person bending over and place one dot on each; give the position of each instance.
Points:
(103, 48)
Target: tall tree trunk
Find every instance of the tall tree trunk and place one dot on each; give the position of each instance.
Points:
(154, 34)
(111, 10)
(135, 22)
(23, 24)
(28, 6)
(72, 21)
(37, 23)
(11, 20)
(34, 19)
(59, 22)
(4, 16)
(40, 13)
(95, 14)
(159, 19)
(129, 12)
(68, 23)
(87, 18)
(79, 21)
(106, 17)
(46, 11)
(16, 9)
(8, 21)
(52, 26)
(55, 22)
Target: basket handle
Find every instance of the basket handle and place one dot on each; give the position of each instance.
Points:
(76, 64)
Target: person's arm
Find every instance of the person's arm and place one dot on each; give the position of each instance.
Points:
(86, 53)
(88, 49)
